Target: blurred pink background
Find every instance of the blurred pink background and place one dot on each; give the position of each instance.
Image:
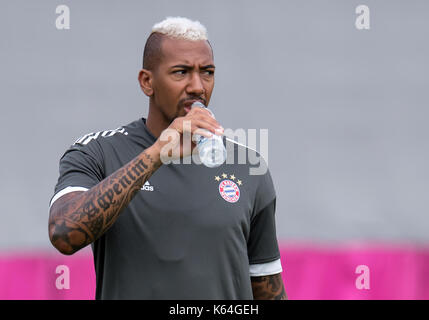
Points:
(309, 272)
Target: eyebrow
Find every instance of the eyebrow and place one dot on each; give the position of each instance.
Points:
(184, 66)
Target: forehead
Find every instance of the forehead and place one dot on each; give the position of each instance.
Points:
(176, 51)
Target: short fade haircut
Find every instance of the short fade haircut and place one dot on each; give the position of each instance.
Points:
(172, 27)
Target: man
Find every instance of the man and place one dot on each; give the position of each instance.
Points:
(180, 235)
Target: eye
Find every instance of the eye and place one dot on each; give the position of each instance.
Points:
(179, 72)
(208, 72)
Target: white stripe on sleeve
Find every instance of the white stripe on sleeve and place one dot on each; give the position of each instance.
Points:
(64, 192)
(265, 269)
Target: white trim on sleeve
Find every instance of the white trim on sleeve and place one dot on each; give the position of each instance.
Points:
(64, 192)
(265, 269)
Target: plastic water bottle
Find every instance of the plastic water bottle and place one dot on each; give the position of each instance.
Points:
(212, 151)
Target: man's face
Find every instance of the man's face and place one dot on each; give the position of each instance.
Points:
(184, 75)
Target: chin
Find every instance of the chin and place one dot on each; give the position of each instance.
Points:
(181, 113)
(177, 115)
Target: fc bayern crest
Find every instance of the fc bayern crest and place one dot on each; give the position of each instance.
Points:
(229, 191)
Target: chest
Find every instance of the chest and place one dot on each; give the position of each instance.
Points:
(208, 199)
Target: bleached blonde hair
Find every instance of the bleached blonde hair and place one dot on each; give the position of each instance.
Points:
(181, 28)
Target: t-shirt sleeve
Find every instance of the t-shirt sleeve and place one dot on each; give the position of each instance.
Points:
(262, 244)
(80, 166)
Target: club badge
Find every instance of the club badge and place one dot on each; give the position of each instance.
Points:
(228, 189)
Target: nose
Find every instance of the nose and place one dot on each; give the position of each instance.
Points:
(195, 85)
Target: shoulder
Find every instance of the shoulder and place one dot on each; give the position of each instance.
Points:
(94, 144)
(96, 136)
(107, 136)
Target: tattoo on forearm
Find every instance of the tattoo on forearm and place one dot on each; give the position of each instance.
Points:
(80, 222)
(268, 288)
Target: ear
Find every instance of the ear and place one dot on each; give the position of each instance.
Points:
(145, 79)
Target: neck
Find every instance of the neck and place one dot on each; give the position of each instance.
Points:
(156, 122)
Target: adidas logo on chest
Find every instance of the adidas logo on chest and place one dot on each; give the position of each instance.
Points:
(147, 187)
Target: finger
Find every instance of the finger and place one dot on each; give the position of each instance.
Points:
(201, 113)
(210, 126)
(205, 111)
(201, 132)
(211, 121)
(200, 110)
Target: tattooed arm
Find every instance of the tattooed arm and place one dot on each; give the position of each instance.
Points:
(268, 287)
(79, 218)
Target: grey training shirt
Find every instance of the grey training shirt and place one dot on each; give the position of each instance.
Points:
(191, 232)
